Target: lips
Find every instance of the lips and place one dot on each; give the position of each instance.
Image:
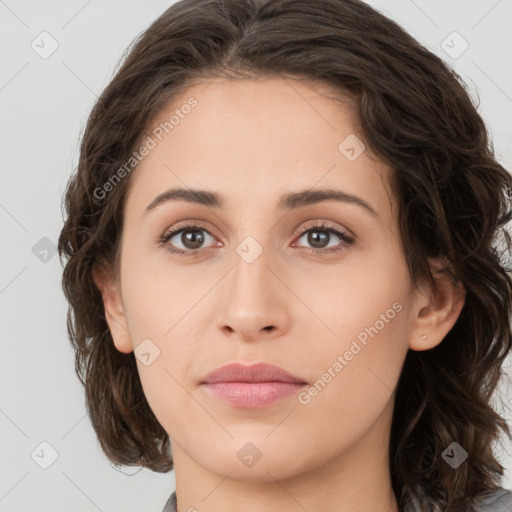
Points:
(260, 372)
(251, 387)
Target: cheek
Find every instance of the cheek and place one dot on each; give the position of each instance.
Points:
(355, 375)
(349, 301)
(165, 380)
(363, 340)
(157, 296)
(156, 307)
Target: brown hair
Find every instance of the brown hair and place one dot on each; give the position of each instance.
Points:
(453, 199)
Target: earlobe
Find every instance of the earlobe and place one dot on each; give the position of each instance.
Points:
(436, 312)
(114, 312)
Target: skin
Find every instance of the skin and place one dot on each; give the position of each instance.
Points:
(251, 141)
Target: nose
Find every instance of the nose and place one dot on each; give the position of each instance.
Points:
(254, 305)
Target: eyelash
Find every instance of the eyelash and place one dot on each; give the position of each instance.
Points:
(348, 240)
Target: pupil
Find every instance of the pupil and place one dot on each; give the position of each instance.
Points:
(192, 239)
(315, 240)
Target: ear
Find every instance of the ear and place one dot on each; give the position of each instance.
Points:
(435, 311)
(114, 312)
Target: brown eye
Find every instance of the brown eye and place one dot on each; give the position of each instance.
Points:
(192, 238)
(187, 239)
(320, 236)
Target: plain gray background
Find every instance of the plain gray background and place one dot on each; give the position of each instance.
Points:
(44, 103)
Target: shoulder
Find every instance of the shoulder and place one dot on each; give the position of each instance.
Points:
(499, 500)
(170, 505)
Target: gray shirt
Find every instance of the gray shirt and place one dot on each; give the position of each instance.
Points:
(495, 501)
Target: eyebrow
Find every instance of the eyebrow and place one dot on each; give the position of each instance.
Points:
(288, 201)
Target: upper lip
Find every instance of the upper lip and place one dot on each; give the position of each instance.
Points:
(260, 372)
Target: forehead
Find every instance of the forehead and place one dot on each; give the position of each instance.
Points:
(255, 139)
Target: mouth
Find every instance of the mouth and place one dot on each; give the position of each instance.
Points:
(256, 386)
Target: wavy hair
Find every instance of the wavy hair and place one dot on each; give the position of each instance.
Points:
(452, 201)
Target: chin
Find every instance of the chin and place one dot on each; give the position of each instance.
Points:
(252, 458)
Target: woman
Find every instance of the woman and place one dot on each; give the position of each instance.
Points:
(214, 334)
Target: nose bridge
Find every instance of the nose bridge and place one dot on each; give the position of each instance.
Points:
(253, 301)
(251, 261)
(254, 255)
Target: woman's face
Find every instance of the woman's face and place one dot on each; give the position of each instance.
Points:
(341, 318)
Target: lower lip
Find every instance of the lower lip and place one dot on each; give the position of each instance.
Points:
(253, 395)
